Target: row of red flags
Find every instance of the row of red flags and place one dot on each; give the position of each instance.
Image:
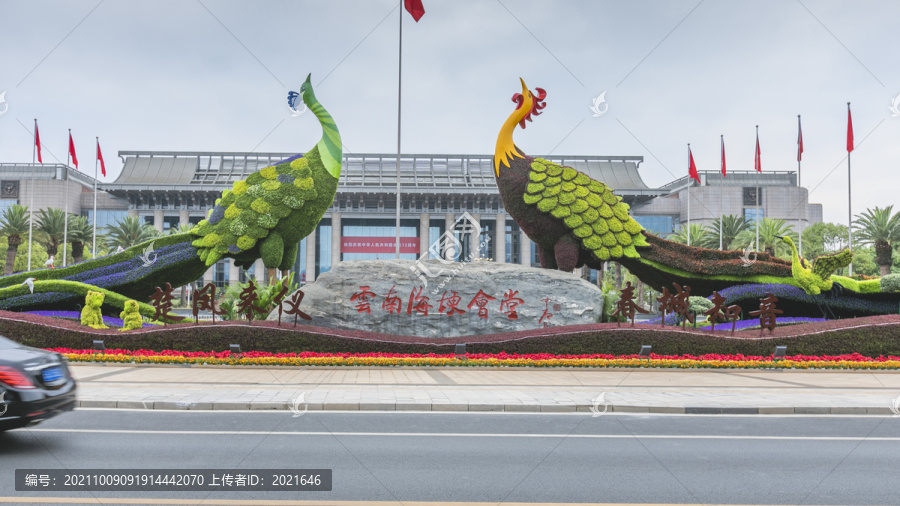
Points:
(757, 164)
(37, 145)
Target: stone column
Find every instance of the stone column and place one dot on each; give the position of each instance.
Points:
(449, 220)
(336, 233)
(311, 257)
(131, 212)
(525, 251)
(424, 225)
(500, 239)
(475, 242)
(234, 273)
(184, 217)
(210, 275)
(262, 274)
(158, 219)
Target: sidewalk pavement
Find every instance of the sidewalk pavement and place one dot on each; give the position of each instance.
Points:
(703, 391)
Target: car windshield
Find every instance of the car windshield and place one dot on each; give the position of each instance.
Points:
(6, 344)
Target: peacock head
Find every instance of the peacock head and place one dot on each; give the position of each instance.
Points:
(528, 104)
(306, 91)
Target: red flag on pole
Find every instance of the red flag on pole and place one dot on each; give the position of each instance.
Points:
(849, 129)
(100, 159)
(692, 169)
(799, 139)
(415, 8)
(72, 151)
(37, 141)
(757, 163)
(723, 155)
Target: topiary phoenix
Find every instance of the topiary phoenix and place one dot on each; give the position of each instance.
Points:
(264, 216)
(575, 220)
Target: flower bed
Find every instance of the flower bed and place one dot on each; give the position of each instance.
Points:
(76, 316)
(713, 361)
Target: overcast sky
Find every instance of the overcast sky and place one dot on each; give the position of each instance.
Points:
(211, 75)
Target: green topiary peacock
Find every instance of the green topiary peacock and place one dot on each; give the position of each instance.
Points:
(816, 278)
(266, 215)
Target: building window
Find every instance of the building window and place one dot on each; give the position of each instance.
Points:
(170, 223)
(105, 218)
(221, 275)
(752, 214)
(751, 197)
(323, 256)
(657, 225)
(513, 241)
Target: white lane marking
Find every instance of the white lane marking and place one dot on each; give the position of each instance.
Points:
(463, 435)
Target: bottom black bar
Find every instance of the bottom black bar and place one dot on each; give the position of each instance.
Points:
(145, 480)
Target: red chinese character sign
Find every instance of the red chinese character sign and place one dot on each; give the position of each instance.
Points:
(767, 313)
(721, 312)
(626, 306)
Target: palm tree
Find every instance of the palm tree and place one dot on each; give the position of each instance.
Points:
(731, 226)
(13, 224)
(697, 235)
(181, 228)
(770, 233)
(51, 222)
(882, 230)
(81, 233)
(129, 231)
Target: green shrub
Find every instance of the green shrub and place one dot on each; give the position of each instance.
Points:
(890, 283)
(699, 305)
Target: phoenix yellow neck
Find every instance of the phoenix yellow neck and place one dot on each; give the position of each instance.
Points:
(506, 148)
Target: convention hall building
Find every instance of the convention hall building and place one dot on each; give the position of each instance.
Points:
(168, 189)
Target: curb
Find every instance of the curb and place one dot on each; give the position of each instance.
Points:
(458, 407)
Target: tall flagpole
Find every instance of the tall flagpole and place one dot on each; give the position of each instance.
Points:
(849, 193)
(758, 173)
(399, 98)
(690, 183)
(721, 190)
(31, 206)
(66, 199)
(94, 237)
(799, 153)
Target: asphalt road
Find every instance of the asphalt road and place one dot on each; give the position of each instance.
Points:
(495, 457)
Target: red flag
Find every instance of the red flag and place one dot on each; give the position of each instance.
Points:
(72, 151)
(37, 141)
(799, 139)
(723, 155)
(100, 159)
(692, 169)
(415, 8)
(849, 130)
(757, 163)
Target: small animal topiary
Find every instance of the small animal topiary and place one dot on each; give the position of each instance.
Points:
(91, 315)
(131, 317)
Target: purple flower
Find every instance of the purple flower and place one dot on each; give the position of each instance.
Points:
(233, 249)
(217, 214)
(285, 178)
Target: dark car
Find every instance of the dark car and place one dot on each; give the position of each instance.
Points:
(34, 385)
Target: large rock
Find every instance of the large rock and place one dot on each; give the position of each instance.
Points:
(330, 300)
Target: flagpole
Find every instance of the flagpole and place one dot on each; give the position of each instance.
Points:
(849, 199)
(31, 206)
(66, 205)
(758, 173)
(721, 202)
(399, 98)
(800, 216)
(690, 183)
(94, 237)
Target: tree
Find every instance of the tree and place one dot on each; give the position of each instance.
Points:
(879, 228)
(81, 233)
(181, 229)
(731, 226)
(822, 238)
(51, 223)
(13, 225)
(770, 233)
(864, 262)
(697, 233)
(129, 231)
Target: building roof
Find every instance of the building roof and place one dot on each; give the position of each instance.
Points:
(193, 171)
(24, 172)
